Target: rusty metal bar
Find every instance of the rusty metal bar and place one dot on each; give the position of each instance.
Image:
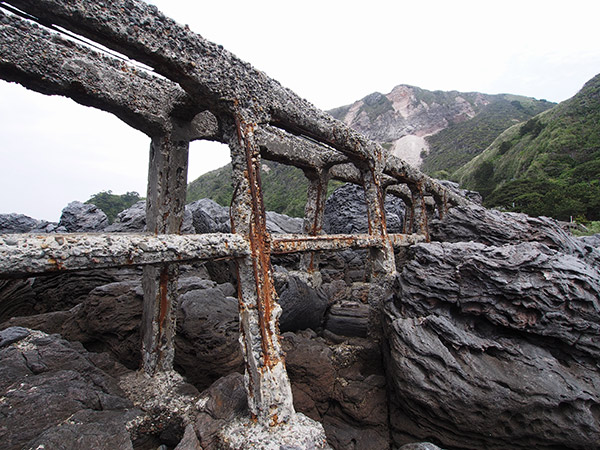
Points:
(298, 243)
(167, 184)
(24, 255)
(268, 386)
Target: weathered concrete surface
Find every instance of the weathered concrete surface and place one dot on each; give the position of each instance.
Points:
(25, 255)
(55, 65)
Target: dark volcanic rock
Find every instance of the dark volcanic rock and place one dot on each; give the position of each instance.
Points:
(346, 211)
(209, 217)
(20, 223)
(207, 346)
(342, 386)
(45, 380)
(82, 217)
(495, 347)
(218, 405)
(302, 305)
(491, 227)
(53, 292)
(280, 223)
(133, 219)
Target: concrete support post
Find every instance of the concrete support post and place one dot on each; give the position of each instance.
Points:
(381, 259)
(167, 183)
(267, 383)
(418, 214)
(313, 219)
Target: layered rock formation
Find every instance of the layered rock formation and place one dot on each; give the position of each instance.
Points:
(490, 341)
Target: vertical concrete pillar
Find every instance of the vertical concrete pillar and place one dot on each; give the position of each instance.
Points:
(267, 383)
(313, 219)
(381, 259)
(165, 203)
(419, 223)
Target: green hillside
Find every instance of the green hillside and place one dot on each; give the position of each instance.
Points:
(284, 188)
(456, 145)
(548, 165)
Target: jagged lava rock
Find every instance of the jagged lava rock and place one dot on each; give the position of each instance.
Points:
(20, 223)
(133, 219)
(495, 347)
(45, 380)
(82, 217)
(346, 211)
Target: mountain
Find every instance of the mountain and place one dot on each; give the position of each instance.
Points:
(436, 129)
(548, 165)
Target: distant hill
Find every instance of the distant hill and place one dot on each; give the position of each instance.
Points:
(548, 165)
(440, 130)
(284, 188)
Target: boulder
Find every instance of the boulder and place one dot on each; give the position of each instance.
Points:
(302, 305)
(209, 217)
(492, 227)
(280, 223)
(133, 220)
(54, 395)
(341, 385)
(346, 212)
(82, 218)
(495, 347)
(20, 223)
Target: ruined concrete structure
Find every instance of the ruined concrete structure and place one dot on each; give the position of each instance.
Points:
(203, 92)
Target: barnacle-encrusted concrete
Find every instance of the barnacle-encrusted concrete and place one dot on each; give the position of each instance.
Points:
(204, 92)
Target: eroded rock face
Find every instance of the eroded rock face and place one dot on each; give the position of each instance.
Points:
(82, 217)
(45, 380)
(340, 385)
(495, 347)
(346, 212)
(20, 223)
(491, 227)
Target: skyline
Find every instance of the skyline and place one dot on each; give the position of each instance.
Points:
(55, 151)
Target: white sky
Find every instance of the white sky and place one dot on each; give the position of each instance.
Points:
(330, 52)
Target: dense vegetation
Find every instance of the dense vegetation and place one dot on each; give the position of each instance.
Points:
(113, 204)
(456, 145)
(284, 188)
(549, 165)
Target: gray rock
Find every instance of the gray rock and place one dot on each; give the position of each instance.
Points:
(280, 223)
(302, 305)
(492, 227)
(495, 347)
(341, 386)
(82, 217)
(189, 440)
(346, 212)
(348, 318)
(209, 217)
(54, 394)
(591, 241)
(133, 219)
(218, 405)
(12, 334)
(20, 223)
(420, 446)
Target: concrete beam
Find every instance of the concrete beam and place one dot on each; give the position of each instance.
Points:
(23, 255)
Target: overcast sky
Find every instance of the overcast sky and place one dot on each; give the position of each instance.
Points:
(330, 52)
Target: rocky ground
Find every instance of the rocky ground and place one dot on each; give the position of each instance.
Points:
(491, 339)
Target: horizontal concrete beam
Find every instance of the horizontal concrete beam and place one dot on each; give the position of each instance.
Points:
(27, 255)
(51, 64)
